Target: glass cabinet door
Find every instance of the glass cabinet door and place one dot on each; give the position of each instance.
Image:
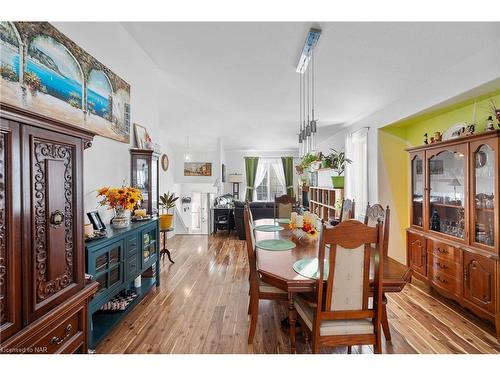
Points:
(483, 187)
(417, 189)
(447, 201)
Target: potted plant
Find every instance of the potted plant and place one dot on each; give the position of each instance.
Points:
(167, 202)
(338, 162)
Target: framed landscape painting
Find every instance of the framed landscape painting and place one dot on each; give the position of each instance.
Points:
(198, 169)
(45, 72)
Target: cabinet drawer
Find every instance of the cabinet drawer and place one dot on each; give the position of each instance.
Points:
(132, 245)
(64, 335)
(444, 265)
(444, 281)
(132, 266)
(443, 250)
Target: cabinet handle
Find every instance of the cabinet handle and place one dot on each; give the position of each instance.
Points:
(442, 251)
(442, 281)
(58, 341)
(466, 275)
(442, 266)
(56, 218)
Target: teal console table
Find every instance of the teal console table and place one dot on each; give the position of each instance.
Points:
(115, 262)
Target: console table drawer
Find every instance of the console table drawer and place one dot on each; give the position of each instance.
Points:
(444, 281)
(132, 245)
(443, 250)
(443, 265)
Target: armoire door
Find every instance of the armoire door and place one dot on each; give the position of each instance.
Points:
(10, 230)
(53, 268)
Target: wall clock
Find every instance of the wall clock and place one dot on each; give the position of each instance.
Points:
(164, 162)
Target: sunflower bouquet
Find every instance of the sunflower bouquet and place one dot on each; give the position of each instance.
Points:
(121, 198)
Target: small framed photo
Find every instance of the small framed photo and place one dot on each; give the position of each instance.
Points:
(140, 135)
(96, 220)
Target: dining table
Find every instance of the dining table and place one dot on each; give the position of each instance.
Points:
(276, 267)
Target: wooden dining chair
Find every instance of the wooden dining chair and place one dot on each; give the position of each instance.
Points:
(258, 288)
(347, 210)
(283, 206)
(374, 215)
(344, 317)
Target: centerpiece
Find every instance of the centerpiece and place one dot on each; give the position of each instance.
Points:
(304, 226)
(121, 200)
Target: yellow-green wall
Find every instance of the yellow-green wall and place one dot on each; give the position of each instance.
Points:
(393, 164)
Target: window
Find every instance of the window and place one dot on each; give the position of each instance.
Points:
(270, 180)
(356, 186)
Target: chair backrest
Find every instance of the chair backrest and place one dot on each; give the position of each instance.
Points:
(377, 215)
(283, 206)
(250, 240)
(347, 210)
(348, 284)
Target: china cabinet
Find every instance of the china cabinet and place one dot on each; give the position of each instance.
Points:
(43, 290)
(453, 238)
(144, 171)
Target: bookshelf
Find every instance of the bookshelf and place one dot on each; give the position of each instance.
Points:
(322, 201)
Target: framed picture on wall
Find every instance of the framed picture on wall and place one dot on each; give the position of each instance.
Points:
(198, 169)
(140, 136)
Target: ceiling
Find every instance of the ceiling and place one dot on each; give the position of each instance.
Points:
(237, 81)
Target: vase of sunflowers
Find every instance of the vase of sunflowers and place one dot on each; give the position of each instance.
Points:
(121, 200)
(304, 226)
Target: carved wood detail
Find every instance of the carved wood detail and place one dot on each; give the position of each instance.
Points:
(3, 230)
(42, 151)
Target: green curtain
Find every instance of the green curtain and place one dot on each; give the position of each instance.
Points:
(250, 171)
(288, 169)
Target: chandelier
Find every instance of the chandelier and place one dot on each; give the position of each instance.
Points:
(307, 118)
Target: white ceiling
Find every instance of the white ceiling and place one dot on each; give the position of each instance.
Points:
(237, 80)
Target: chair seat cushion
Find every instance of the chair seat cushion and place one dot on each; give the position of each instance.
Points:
(267, 288)
(333, 327)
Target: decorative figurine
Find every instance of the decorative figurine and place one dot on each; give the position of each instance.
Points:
(495, 111)
(489, 124)
(438, 136)
(432, 140)
(470, 129)
(426, 139)
(435, 221)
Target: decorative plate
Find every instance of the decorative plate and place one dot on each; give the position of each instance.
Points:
(164, 162)
(309, 268)
(276, 245)
(455, 131)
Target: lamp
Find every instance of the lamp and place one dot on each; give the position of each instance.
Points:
(236, 179)
(454, 182)
(187, 155)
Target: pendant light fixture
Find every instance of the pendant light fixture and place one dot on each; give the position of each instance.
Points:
(307, 116)
(187, 155)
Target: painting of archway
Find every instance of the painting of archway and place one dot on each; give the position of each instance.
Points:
(99, 95)
(9, 52)
(51, 69)
(44, 72)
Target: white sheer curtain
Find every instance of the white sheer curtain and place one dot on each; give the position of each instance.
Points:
(356, 174)
(261, 173)
(262, 168)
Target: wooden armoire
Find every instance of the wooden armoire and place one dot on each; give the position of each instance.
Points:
(43, 291)
(453, 243)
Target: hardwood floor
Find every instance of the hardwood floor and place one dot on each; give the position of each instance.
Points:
(201, 307)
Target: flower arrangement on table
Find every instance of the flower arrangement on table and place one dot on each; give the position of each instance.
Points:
(304, 225)
(120, 199)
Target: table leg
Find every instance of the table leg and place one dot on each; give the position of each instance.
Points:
(164, 249)
(292, 317)
(385, 322)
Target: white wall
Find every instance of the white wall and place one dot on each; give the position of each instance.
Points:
(107, 162)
